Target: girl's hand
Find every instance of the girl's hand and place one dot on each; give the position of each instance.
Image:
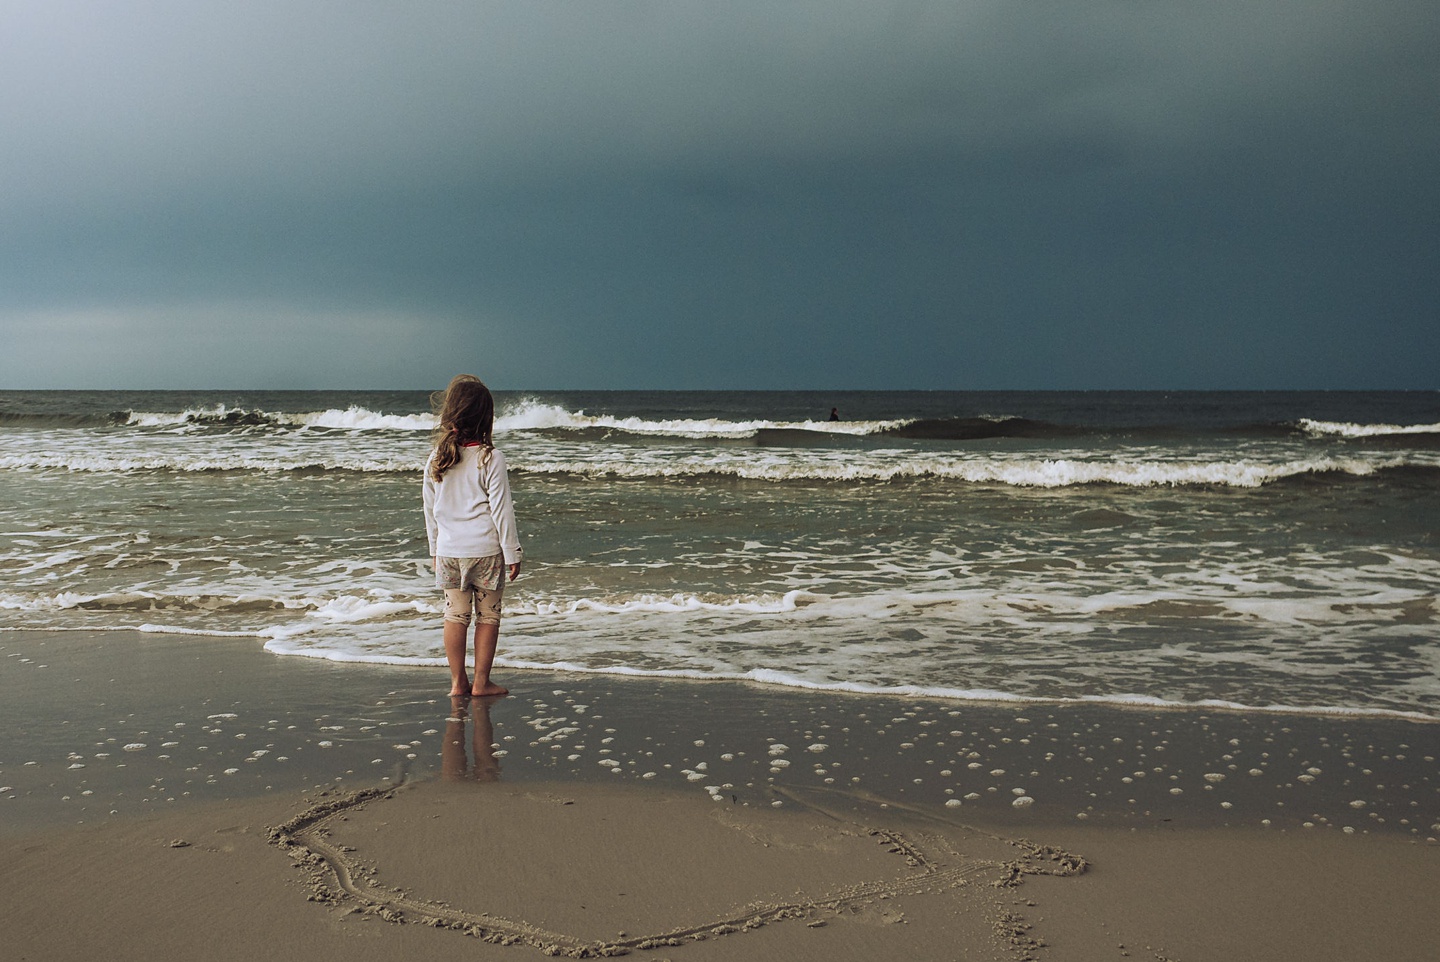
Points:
(435, 563)
(514, 571)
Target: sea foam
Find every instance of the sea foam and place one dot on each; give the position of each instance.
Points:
(526, 415)
(788, 464)
(1347, 429)
(535, 415)
(1016, 472)
(782, 679)
(353, 418)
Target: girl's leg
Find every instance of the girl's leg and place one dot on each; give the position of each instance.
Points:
(459, 603)
(455, 656)
(487, 633)
(486, 638)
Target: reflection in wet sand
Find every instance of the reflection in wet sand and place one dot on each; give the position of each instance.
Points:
(477, 762)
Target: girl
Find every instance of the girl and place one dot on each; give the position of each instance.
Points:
(470, 523)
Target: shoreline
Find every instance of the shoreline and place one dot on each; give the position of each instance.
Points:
(773, 824)
(172, 719)
(983, 698)
(761, 678)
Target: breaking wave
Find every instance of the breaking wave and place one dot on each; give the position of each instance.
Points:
(540, 416)
(530, 414)
(1346, 429)
(979, 428)
(789, 465)
(1029, 473)
(353, 418)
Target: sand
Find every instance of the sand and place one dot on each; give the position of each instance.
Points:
(495, 870)
(401, 824)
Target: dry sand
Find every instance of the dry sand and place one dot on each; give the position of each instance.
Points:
(307, 811)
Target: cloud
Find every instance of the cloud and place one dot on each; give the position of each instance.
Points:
(255, 345)
(748, 190)
(163, 96)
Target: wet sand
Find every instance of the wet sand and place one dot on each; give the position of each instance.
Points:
(201, 794)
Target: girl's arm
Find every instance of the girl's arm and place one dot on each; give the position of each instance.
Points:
(497, 485)
(428, 498)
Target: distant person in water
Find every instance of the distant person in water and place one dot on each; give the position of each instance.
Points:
(470, 523)
(834, 414)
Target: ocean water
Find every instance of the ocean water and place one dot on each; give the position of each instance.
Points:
(1259, 551)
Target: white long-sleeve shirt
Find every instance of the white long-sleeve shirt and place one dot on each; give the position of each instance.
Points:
(468, 513)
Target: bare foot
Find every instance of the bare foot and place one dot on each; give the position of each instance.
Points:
(461, 687)
(487, 689)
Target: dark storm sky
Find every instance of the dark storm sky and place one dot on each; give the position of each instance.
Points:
(1080, 194)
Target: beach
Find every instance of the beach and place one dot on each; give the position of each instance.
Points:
(910, 482)
(192, 804)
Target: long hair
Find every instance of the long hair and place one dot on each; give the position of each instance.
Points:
(466, 416)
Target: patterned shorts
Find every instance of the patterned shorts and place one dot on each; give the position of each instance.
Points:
(472, 585)
(487, 573)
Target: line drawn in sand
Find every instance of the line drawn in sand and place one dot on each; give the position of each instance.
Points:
(933, 863)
